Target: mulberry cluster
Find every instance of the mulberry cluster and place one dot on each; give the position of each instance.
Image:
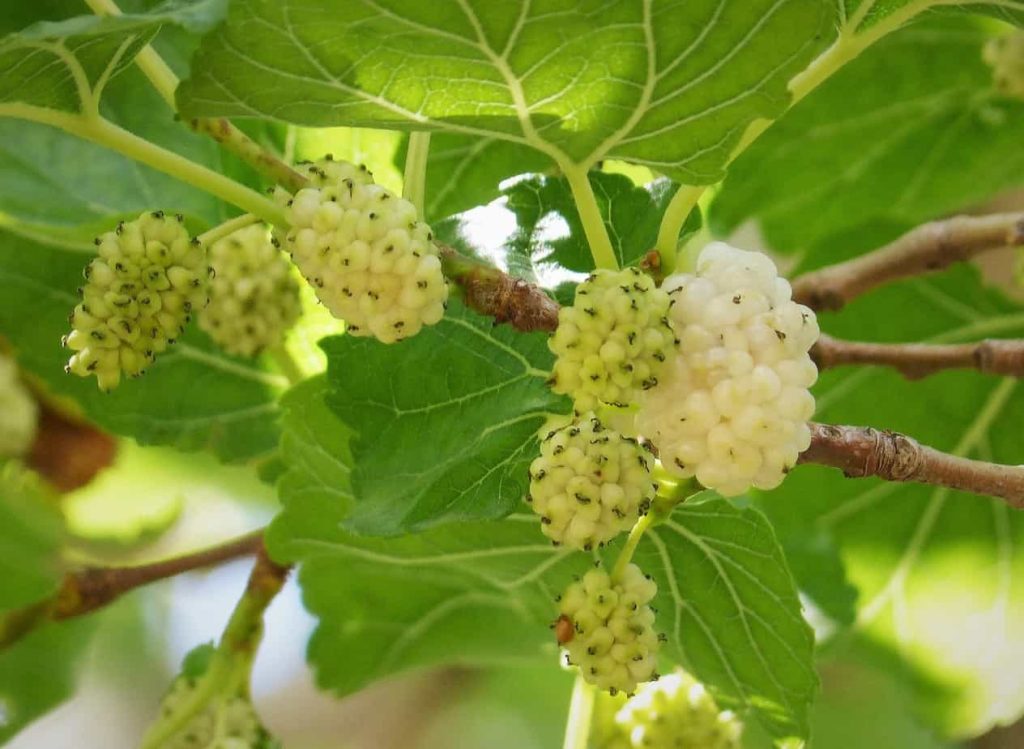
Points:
(254, 299)
(230, 723)
(732, 408)
(1005, 55)
(613, 341)
(18, 412)
(589, 484)
(612, 639)
(676, 712)
(370, 260)
(140, 292)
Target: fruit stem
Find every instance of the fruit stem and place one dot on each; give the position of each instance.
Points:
(105, 133)
(415, 185)
(226, 229)
(287, 364)
(231, 665)
(672, 223)
(220, 129)
(635, 534)
(581, 710)
(590, 214)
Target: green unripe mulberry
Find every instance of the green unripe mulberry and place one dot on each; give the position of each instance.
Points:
(589, 484)
(612, 640)
(676, 712)
(254, 298)
(1005, 55)
(226, 722)
(613, 341)
(148, 280)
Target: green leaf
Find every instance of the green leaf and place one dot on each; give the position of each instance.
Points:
(736, 622)
(31, 536)
(464, 171)
(665, 84)
(872, 145)
(193, 396)
(481, 593)
(940, 574)
(315, 488)
(60, 186)
(39, 672)
(871, 12)
(64, 65)
(445, 422)
(549, 229)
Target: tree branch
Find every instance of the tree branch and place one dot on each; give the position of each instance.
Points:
(860, 452)
(929, 247)
(88, 589)
(915, 360)
(491, 292)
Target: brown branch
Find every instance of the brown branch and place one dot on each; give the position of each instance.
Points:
(929, 247)
(916, 360)
(91, 588)
(860, 452)
(489, 291)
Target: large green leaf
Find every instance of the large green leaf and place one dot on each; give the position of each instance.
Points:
(445, 422)
(40, 671)
(317, 457)
(465, 171)
(737, 621)
(870, 144)
(31, 535)
(940, 574)
(59, 185)
(193, 396)
(671, 85)
(481, 592)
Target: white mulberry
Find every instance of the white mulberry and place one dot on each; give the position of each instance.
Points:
(589, 484)
(676, 712)
(18, 412)
(1005, 55)
(732, 408)
(613, 641)
(369, 259)
(328, 171)
(254, 299)
(225, 723)
(140, 292)
(612, 342)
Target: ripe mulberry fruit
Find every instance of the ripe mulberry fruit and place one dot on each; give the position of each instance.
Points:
(732, 408)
